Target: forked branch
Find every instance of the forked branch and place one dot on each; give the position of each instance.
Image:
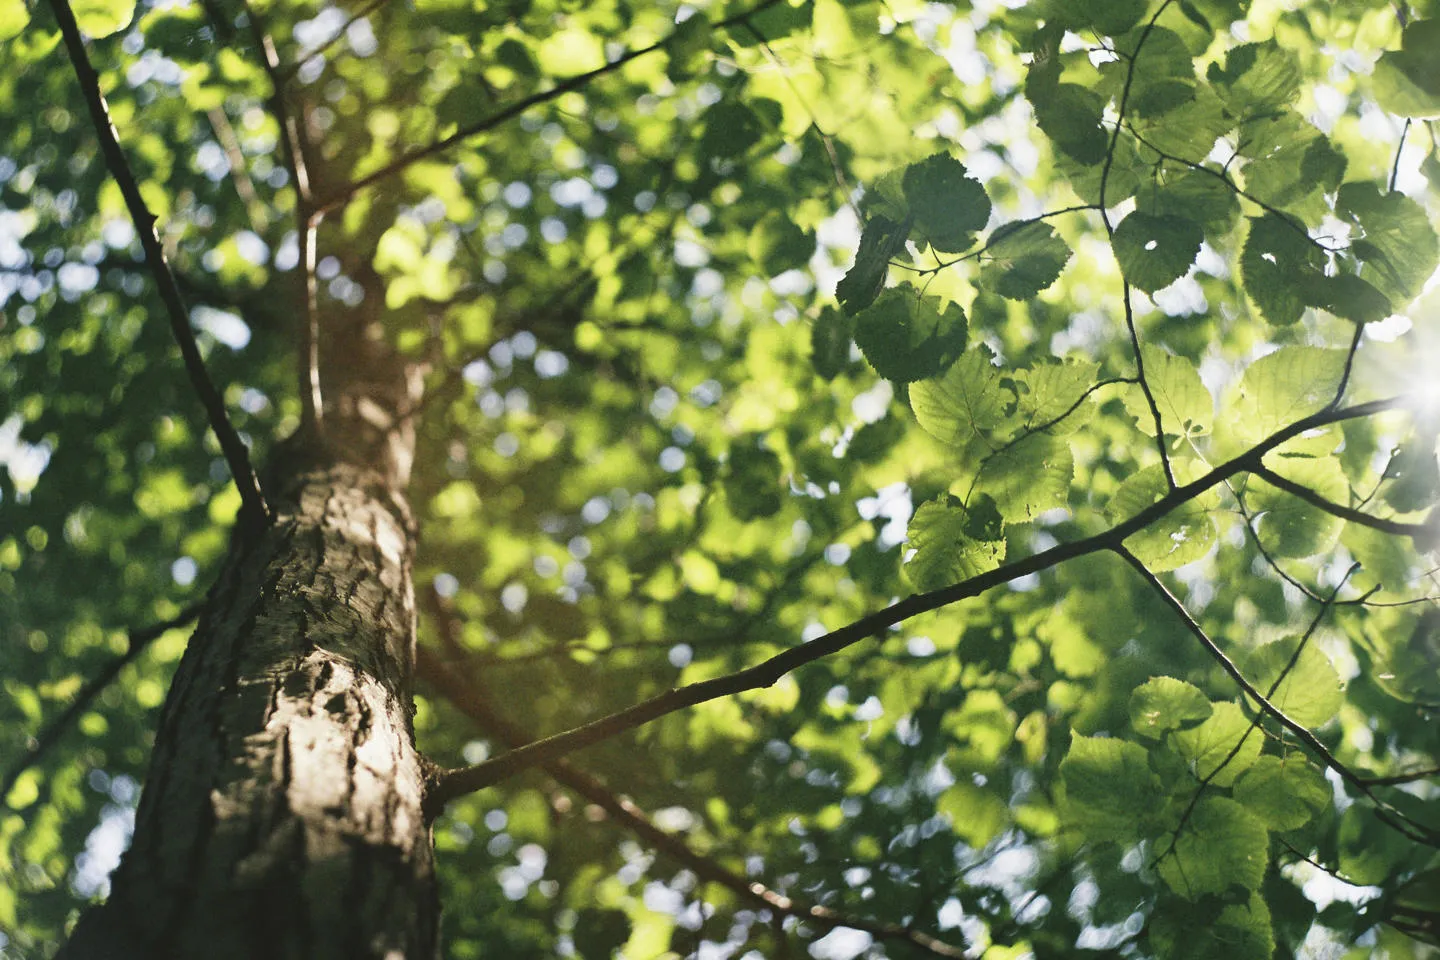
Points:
(400, 164)
(456, 783)
(455, 682)
(1415, 831)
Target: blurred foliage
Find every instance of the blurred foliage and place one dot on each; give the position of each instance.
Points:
(795, 314)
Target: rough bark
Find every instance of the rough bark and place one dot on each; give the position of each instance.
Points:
(282, 814)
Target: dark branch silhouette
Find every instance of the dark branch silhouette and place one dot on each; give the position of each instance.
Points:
(1396, 527)
(46, 739)
(463, 691)
(1415, 831)
(456, 783)
(236, 455)
(342, 196)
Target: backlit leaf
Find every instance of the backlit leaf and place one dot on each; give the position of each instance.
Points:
(953, 543)
(949, 206)
(907, 336)
(1155, 251)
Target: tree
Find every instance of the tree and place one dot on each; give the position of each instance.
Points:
(936, 480)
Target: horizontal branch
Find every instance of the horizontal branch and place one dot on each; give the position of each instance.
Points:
(236, 455)
(46, 739)
(1339, 510)
(465, 695)
(398, 165)
(456, 783)
(1414, 776)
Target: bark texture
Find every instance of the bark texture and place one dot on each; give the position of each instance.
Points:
(282, 815)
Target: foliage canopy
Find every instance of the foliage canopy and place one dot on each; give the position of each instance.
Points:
(1055, 373)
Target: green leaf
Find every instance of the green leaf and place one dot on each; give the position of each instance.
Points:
(1186, 407)
(1155, 251)
(906, 336)
(731, 129)
(1162, 704)
(1397, 244)
(953, 543)
(1182, 930)
(1182, 536)
(1188, 131)
(753, 486)
(1407, 81)
(778, 244)
(13, 18)
(1111, 17)
(1161, 75)
(570, 51)
(1221, 845)
(1023, 259)
(1284, 792)
(1284, 386)
(1257, 76)
(1223, 746)
(1309, 693)
(1193, 195)
(1028, 476)
(1069, 115)
(830, 342)
(600, 932)
(879, 241)
(1053, 389)
(1128, 173)
(101, 18)
(1290, 527)
(1350, 297)
(1108, 786)
(971, 399)
(948, 205)
(687, 47)
(977, 814)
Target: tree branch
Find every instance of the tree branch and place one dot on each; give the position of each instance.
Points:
(465, 694)
(333, 39)
(1414, 776)
(1417, 832)
(1325, 604)
(236, 455)
(456, 783)
(293, 145)
(1110, 233)
(398, 165)
(1338, 510)
(51, 734)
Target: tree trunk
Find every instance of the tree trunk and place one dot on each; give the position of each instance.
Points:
(282, 813)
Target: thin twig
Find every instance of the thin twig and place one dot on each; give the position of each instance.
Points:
(1399, 150)
(1414, 776)
(307, 222)
(1303, 492)
(343, 195)
(456, 783)
(239, 175)
(996, 235)
(464, 692)
(305, 58)
(1110, 232)
(1415, 831)
(1290, 665)
(137, 641)
(237, 457)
